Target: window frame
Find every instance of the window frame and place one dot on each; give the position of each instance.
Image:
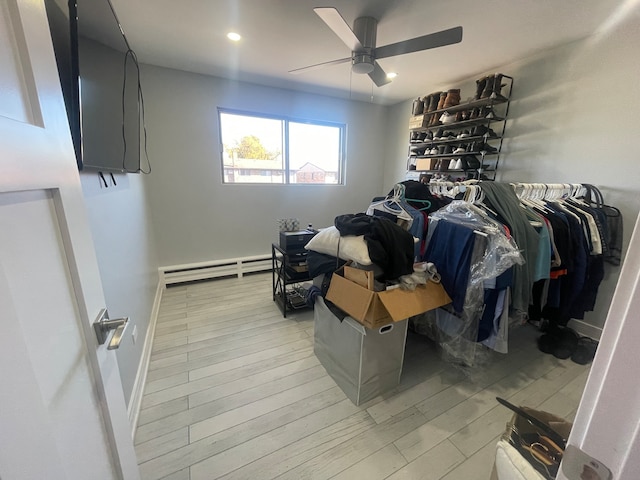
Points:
(342, 150)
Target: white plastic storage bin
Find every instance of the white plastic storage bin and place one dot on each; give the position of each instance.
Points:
(363, 362)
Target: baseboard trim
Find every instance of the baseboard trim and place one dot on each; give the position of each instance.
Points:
(190, 272)
(133, 409)
(585, 329)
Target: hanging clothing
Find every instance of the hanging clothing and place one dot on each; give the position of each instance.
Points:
(504, 201)
(450, 248)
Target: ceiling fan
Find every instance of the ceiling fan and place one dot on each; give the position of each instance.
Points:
(362, 43)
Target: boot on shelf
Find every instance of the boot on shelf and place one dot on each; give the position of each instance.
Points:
(452, 98)
(441, 100)
(418, 107)
(497, 87)
(435, 120)
(433, 101)
(481, 83)
(488, 86)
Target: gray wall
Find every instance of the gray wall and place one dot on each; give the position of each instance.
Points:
(573, 119)
(121, 226)
(196, 218)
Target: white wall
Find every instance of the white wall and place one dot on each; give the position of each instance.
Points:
(197, 218)
(125, 247)
(573, 119)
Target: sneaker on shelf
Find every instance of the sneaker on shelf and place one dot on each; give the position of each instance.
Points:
(460, 149)
(485, 147)
(464, 134)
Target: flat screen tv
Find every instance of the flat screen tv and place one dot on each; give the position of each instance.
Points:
(100, 83)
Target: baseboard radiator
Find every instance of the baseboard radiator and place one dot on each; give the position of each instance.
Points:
(216, 268)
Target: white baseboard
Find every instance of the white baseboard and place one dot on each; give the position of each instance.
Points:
(584, 329)
(133, 409)
(189, 272)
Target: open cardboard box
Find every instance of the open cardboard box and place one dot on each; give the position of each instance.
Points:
(375, 309)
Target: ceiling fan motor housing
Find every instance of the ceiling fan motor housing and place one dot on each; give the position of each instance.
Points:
(364, 28)
(362, 63)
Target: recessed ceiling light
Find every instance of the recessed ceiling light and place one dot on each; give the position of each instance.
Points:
(392, 75)
(234, 36)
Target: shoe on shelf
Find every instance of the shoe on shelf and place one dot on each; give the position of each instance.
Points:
(433, 102)
(481, 83)
(439, 135)
(457, 164)
(448, 118)
(488, 86)
(497, 87)
(485, 147)
(428, 136)
(433, 151)
(452, 98)
(482, 130)
(450, 136)
(418, 107)
(459, 150)
(441, 100)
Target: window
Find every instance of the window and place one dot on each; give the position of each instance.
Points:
(262, 149)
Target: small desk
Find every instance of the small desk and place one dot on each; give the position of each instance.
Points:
(283, 273)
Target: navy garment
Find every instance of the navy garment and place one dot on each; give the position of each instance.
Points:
(450, 249)
(491, 296)
(586, 301)
(574, 281)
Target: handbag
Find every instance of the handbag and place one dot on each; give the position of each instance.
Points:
(540, 437)
(612, 248)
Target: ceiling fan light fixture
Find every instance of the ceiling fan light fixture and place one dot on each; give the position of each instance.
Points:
(392, 75)
(234, 37)
(362, 63)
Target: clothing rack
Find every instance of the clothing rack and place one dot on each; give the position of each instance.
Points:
(549, 191)
(532, 191)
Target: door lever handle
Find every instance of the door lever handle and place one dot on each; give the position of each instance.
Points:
(103, 325)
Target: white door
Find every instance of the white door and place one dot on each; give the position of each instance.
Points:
(62, 410)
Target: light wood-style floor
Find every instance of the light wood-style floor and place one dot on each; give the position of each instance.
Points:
(234, 391)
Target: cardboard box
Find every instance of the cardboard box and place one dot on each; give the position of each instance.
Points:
(419, 121)
(375, 309)
(364, 278)
(426, 163)
(363, 362)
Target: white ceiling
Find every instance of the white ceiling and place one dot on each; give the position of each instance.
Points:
(281, 35)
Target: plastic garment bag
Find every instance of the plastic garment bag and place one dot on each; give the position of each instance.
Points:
(494, 253)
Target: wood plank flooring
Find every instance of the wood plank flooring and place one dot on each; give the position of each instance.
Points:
(234, 391)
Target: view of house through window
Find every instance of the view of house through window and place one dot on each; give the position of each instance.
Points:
(259, 149)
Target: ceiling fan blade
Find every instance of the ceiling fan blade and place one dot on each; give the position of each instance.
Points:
(432, 40)
(335, 22)
(320, 65)
(379, 76)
